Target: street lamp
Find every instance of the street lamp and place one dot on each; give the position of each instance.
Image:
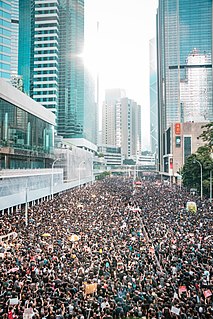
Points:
(179, 178)
(90, 161)
(57, 159)
(134, 176)
(201, 177)
(79, 173)
(92, 172)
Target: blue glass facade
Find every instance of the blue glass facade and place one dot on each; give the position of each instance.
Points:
(184, 55)
(14, 36)
(25, 43)
(21, 129)
(30, 137)
(71, 116)
(5, 39)
(50, 47)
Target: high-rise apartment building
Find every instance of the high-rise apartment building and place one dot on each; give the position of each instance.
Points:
(153, 95)
(108, 127)
(184, 55)
(5, 39)
(128, 127)
(112, 96)
(52, 65)
(121, 123)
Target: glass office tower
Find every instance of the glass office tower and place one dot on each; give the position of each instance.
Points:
(185, 60)
(14, 36)
(184, 54)
(5, 39)
(25, 63)
(50, 61)
(45, 55)
(71, 116)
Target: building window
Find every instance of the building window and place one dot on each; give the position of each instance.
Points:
(187, 147)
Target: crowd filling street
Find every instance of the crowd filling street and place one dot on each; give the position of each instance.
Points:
(108, 250)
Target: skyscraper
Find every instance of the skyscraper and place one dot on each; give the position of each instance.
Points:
(9, 37)
(184, 54)
(128, 127)
(25, 47)
(5, 39)
(195, 90)
(153, 95)
(121, 122)
(53, 64)
(90, 108)
(14, 36)
(45, 54)
(71, 117)
(112, 96)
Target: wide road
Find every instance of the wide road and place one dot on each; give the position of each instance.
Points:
(108, 251)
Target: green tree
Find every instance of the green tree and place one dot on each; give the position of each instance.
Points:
(207, 135)
(191, 172)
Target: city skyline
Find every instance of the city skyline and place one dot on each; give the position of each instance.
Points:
(125, 46)
(121, 49)
(55, 76)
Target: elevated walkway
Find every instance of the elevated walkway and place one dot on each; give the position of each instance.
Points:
(18, 187)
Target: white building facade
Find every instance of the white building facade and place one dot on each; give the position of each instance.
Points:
(195, 89)
(128, 127)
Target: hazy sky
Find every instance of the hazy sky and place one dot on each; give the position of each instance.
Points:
(120, 50)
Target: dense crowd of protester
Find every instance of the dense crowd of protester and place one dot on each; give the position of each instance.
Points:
(109, 251)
